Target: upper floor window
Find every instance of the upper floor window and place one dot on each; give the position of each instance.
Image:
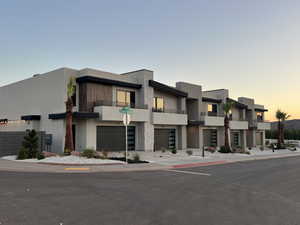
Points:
(126, 98)
(212, 109)
(259, 116)
(158, 104)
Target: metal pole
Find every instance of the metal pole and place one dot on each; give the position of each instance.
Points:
(126, 138)
(203, 151)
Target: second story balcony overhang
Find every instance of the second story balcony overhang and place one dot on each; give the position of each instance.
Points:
(169, 117)
(110, 111)
(212, 119)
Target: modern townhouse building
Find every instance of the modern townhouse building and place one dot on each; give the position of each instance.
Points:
(159, 116)
(206, 119)
(163, 117)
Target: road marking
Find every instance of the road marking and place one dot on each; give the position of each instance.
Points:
(199, 164)
(190, 172)
(77, 169)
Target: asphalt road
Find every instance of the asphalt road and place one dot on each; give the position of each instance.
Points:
(257, 192)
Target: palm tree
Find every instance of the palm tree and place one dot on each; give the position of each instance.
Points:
(281, 117)
(227, 108)
(69, 145)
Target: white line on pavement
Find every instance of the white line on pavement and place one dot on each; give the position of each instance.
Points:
(189, 172)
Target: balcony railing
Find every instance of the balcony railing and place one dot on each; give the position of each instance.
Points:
(120, 104)
(168, 111)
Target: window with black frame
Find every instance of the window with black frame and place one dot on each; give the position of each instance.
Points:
(126, 98)
(158, 104)
(212, 109)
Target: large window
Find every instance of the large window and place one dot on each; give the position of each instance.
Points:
(212, 109)
(125, 98)
(260, 116)
(158, 104)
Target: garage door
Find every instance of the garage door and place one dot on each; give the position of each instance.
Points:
(112, 138)
(164, 139)
(11, 142)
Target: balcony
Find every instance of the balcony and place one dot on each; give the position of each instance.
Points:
(169, 117)
(212, 119)
(259, 124)
(110, 111)
(238, 124)
(263, 125)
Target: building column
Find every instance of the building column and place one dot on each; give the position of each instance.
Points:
(146, 137)
(263, 138)
(253, 133)
(244, 140)
(201, 139)
(182, 136)
(221, 136)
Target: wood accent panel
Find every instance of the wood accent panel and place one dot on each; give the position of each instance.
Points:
(89, 93)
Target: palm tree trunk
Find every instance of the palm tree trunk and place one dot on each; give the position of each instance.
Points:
(279, 135)
(226, 126)
(69, 145)
(282, 134)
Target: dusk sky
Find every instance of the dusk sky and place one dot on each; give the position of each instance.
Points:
(251, 47)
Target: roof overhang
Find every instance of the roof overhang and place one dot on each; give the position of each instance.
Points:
(260, 110)
(76, 115)
(31, 117)
(98, 80)
(196, 122)
(165, 88)
(213, 100)
(237, 104)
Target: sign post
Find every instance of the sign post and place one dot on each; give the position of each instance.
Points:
(126, 111)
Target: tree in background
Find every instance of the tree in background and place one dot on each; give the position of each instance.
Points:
(281, 117)
(30, 143)
(227, 108)
(69, 145)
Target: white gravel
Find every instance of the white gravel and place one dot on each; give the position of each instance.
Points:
(65, 160)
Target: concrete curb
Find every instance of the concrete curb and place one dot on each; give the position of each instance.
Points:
(40, 168)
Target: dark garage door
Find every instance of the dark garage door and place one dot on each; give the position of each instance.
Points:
(164, 139)
(112, 138)
(11, 142)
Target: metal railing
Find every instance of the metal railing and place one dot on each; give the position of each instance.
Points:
(119, 104)
(169, 111)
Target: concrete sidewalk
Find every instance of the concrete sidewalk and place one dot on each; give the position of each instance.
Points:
(190, 161)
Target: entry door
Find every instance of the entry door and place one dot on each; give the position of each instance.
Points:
(164, 139)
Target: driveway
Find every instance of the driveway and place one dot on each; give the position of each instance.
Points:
(254, 192)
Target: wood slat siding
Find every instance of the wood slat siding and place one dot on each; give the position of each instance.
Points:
(89, 93)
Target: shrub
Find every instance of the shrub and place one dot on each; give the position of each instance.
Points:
(40, 156)
(163, 150)
(174, 151)
(104, 154)
(210, 149)
(31, 143)
(247, 152)
(262, 148)
(223, 149)
(267, 142)
(89, 153)
(189, 152)
(23, 154)
(136, 157)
